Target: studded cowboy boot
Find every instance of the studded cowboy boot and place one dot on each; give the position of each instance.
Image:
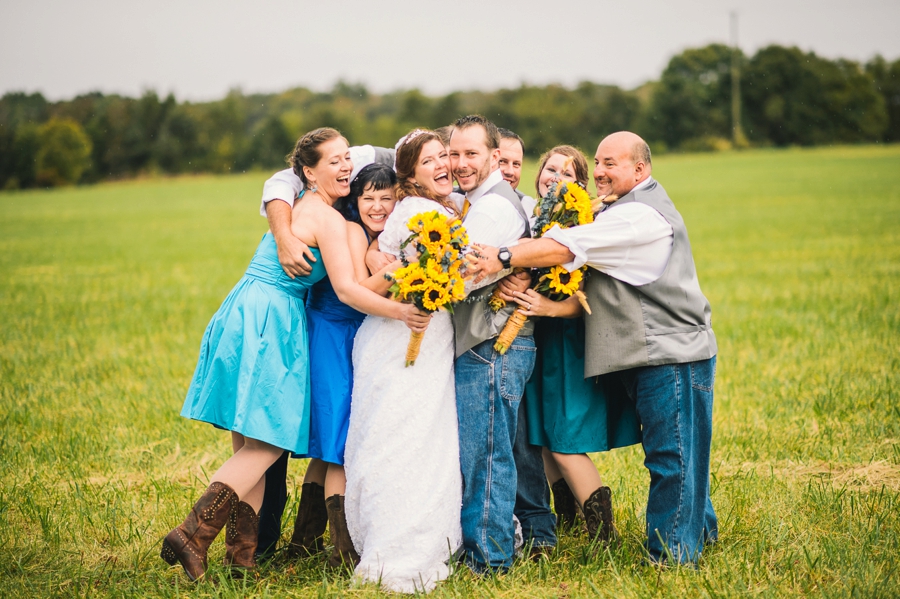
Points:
(564, 504)
(241, 535)
(599, 516)
(344, 554)
(188, 542)
(312, 518)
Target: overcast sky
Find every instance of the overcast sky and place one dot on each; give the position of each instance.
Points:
(199, 49)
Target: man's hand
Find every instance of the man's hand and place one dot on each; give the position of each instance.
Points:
(294, 256)
(483, 262)
(517, 282)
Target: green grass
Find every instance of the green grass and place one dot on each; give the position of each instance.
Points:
(105, 292)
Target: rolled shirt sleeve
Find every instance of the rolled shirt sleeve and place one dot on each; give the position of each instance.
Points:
(631, 243)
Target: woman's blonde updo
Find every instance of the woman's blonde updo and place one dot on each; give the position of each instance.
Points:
(306, 152)
(579, 163)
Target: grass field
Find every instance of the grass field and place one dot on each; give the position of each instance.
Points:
(105, 292)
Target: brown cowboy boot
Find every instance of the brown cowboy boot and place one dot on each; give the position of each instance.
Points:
(312, 518)
(344, 554)
(241, 534)
(599, 516)
(188, 542)
(564, 504)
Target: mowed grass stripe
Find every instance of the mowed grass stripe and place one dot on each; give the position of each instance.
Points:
(105, 292)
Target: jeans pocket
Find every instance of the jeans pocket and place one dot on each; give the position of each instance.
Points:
(515, 369)
(703, 375)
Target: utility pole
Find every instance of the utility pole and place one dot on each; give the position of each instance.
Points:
(737, 131)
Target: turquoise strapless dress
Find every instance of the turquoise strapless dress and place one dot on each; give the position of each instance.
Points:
(332, 327)
(566, 412)
(253, 373)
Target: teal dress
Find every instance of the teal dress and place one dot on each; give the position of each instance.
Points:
(253, 373)
(566, 412)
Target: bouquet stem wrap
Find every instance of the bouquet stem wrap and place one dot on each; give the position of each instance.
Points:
(510, 331)
(412, 350)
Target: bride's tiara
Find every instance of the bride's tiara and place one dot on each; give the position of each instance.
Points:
(409, 137)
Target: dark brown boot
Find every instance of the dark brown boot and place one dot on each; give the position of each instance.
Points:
(187, 543)
(599, 516)
(241, 535)
(344, 553)
(564, 504)
(312, 518)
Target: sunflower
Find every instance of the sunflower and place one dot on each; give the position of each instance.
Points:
(435, 297)
(577, 199)
(435, 234)
(562, 281)
(411, 279)
(435, 272)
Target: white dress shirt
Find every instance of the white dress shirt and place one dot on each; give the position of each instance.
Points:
(286, 185)
(630, 242)
(492, 219)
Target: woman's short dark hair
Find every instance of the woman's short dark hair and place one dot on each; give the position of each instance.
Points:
(377, 176)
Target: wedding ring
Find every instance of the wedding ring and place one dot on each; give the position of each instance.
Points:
(528, 308)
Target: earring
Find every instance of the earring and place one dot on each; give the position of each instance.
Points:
(314, 187)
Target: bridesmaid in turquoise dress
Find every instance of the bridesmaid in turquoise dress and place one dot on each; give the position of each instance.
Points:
(252, 377)
(568, 415)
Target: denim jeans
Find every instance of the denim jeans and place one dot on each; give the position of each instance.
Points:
(272, 508)
(489, 389)
(674, 403)
(532, 492)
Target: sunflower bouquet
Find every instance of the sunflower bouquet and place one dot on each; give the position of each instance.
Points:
(566, 204)
(433, 281)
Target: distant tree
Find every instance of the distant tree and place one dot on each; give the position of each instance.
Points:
(793, 97)
(886, 76)
(63, 154)
(693, 98)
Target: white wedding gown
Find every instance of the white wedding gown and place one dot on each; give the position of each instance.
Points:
(404, 487)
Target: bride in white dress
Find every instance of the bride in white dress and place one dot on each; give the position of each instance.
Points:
(404, 488)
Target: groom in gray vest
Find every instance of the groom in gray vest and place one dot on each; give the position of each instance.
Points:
(649, 338)
(489, 385)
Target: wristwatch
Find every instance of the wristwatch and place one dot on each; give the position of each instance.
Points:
(504, 256)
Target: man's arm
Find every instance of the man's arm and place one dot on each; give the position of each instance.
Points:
(293, 254)
(284, 185)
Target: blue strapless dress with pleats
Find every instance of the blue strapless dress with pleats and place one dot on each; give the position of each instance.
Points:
(332, 327)
(253, 375)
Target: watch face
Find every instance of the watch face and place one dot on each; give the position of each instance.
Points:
(504, 255)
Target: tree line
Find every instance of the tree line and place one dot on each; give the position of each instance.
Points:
(788, 97)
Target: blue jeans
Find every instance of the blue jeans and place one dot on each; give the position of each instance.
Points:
(674, 404)
(532, 492)
(489, 390)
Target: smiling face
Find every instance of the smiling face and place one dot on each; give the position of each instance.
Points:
(557, 168)
(331, 175)
(375, 205)
(615, 170)
(432, 170)
(471, 159)
(510, 162)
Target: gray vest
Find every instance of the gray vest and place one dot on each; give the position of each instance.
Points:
(475, 322)
(664, 322)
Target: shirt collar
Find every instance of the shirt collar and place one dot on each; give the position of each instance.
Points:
(494, 178)
(642, 184)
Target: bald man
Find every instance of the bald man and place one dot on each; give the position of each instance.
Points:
(649, 339)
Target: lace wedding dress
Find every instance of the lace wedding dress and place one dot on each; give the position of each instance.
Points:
(404, 488)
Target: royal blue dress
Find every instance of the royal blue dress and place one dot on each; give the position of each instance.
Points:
(332, 327)
(253, 373)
